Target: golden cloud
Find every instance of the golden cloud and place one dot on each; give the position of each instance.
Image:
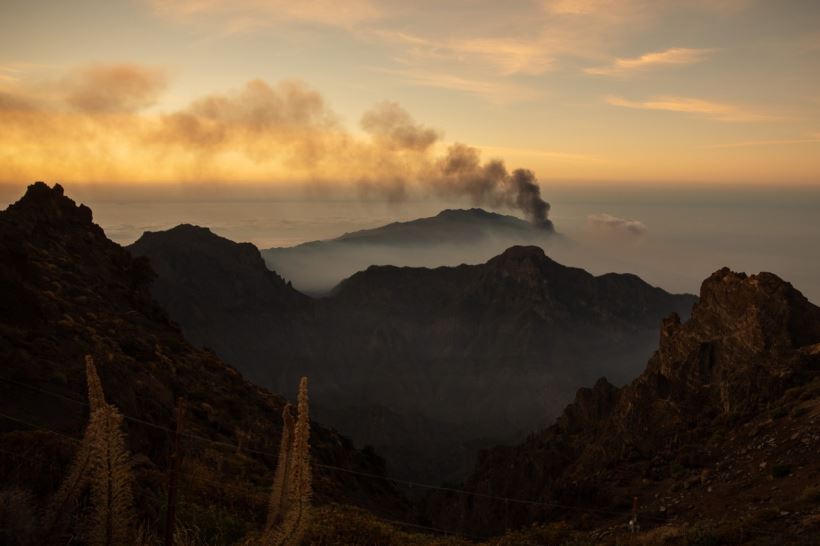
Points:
(94, 129)
(113, 88)
(674, 56)
(713, 110)
(243, 15)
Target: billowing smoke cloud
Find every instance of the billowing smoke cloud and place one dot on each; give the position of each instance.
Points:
(92, 126)
(392, 127)
(461, 173)
(113, 88)
(613, 223)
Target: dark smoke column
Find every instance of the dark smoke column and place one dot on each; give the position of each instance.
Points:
(528, 199)
(460, 174)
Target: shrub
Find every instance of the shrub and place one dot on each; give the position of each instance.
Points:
(779, 413)
(700, 535)
(781, 470)
(810, 494)
(18, 523)
(799, 411)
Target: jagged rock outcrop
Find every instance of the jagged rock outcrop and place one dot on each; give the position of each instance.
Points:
(67, 291)
(750, 340)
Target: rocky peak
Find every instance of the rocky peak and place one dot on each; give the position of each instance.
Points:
(763, 308)
(524, 263)
(50, 203)
(467, 213)
(193, 259)
(590, 407)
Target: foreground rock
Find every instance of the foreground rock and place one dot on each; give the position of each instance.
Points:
(722, 429)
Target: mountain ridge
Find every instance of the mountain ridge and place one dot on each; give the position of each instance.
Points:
(451, 237)
(519, 315)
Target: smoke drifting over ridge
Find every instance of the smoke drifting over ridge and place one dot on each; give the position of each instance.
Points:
(459, 173)
(99, 129)
(489, 184)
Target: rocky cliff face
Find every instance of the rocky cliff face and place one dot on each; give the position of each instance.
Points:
(67, 291)
(749, 352)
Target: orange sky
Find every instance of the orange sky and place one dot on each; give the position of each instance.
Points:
(373, 94)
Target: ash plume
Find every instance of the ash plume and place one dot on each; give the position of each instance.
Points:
(461, 173)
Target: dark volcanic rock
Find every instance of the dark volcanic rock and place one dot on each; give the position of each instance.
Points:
(749, 340)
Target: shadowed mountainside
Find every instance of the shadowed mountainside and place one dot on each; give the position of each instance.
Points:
(497, 348)
(67, 291)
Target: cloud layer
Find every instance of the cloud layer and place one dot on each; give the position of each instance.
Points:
(92, 126)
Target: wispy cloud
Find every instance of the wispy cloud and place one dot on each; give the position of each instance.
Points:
(714, 110)
(813, 138)
(9, 74)
(13, 72)
(608, 222)
(506, 56)
(668, 57)
(244, 15)
(491, 90)
(485, 48)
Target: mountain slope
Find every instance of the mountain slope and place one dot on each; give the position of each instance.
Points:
(728, 402)
(225, 298)
(450, 238)
(478, 352)
(500, 343)
(67, 291)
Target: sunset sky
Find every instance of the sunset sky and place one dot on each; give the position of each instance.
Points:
(375, 93)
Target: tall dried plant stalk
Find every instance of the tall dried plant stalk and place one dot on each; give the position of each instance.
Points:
(112, 518)
(96, 397)
(287, 525)
(279, 496)
(103, 462)
(66, 500)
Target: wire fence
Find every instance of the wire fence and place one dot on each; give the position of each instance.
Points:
(621, 514)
